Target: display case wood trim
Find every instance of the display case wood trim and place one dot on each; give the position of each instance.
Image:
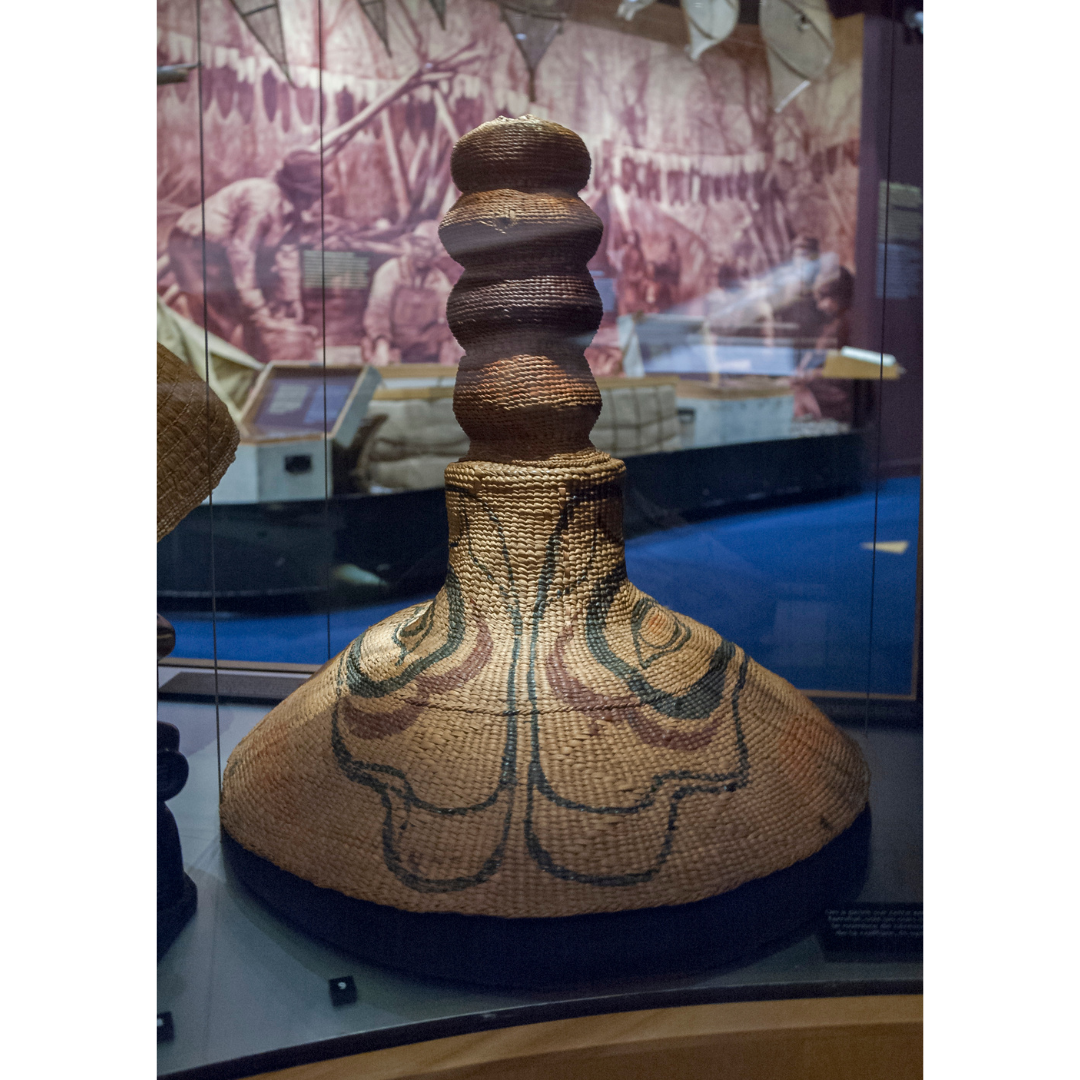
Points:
(355, 1051)
(846, 1038)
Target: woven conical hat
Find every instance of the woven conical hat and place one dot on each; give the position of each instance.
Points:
(196, 441)
(542, 740)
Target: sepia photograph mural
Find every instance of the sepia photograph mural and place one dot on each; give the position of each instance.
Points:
(316, 166)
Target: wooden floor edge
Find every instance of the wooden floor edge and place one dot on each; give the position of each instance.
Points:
(590, 1034)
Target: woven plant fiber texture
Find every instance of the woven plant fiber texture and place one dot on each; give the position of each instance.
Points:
(542, 739)
(196, 440)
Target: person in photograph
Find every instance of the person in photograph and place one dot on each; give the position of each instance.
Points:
(667, 275)
(405, 321)
(252, 286)
(834, 293)
(632, 289)
(736, 307)
(793, 299)
(817, 398)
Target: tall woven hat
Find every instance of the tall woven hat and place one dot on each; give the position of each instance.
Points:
(196, 440)
(542, 774)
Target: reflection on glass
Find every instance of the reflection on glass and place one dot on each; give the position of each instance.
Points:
(760, 254)
(726, 271)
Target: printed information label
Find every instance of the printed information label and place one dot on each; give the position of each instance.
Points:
(886, 930)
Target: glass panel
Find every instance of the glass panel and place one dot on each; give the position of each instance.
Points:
(757, 169)
(732, 313)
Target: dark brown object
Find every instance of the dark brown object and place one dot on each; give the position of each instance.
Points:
(526, 306)
(177, 895)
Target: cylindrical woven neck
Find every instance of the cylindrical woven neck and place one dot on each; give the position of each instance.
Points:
(529, 538)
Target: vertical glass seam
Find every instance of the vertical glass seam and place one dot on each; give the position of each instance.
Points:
(328, 457)
(206, 374)
(881, 364)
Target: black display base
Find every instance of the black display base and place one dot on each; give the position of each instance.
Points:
(550, 953)
(172, 919)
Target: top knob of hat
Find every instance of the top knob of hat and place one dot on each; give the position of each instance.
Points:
(526, 153)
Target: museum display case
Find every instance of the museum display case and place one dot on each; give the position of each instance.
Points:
(710, 384)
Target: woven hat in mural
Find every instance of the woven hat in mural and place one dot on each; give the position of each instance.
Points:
(196, 440)
(541, 739)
